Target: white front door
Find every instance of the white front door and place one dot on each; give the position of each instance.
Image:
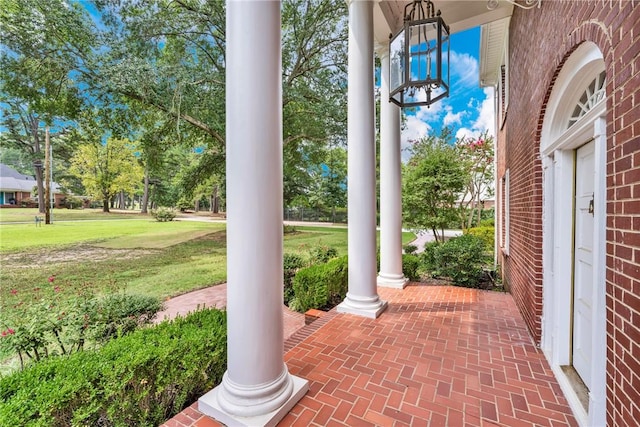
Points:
(584, 260)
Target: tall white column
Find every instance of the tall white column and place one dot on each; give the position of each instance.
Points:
(391, 274)
(362, 297)
(257, 388)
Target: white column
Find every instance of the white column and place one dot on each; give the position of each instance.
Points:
(390, 183)
(362, 297)
(257, 388)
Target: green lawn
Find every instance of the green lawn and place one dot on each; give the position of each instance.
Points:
(28, 214)
(139, 256)
(143, 233)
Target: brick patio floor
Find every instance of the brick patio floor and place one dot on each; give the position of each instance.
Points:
(438, 356)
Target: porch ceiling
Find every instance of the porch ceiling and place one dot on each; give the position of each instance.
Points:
(459, 15)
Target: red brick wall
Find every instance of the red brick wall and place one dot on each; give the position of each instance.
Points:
(540, 41)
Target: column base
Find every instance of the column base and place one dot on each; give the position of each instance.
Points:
(209, 405)
(392, 281)
(370, 307)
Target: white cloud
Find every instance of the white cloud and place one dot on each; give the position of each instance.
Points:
(464, 71)
(452, 118)
(486, 118)
(415, 129)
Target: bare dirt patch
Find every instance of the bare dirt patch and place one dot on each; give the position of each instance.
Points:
(46, 256)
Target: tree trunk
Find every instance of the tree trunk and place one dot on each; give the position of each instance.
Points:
(196, 206)
(121, 204)
(215, 207)
(105, 204)
(38, 166)
(47, 177)
(145, 195)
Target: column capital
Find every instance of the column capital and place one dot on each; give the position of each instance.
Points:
(381, 49)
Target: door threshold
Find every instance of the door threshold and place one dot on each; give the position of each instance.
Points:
(578, 386)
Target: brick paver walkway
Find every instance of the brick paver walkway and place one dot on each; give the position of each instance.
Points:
(439, 356)
(216, 296)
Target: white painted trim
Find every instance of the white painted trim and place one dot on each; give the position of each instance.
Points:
(578, 71)
(562, 241)
(557, 147)
(507, 214)
(597, 395)
(548, 265)
(577, 134)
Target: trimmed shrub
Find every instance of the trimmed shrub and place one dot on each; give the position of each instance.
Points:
(410, 249)
(321, 254)
(163, 214)
(289, 229)
(141, 379)
(291, 264)
(320, 286)
(410, 264)
(72, 202)
(461, 259)
(487, 234)
(119, 314)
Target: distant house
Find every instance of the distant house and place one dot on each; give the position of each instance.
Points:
(16, 188)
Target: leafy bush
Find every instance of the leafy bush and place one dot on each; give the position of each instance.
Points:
(289, 229)
(320, 285)
(141, 379)
(163, 214)
(487, 234)
(410, 249)
(460, 258)
(410, 264)
(291, 264)
(321, 254)
(119, 314)
(48, 327)
(489, 222)
(72, 202)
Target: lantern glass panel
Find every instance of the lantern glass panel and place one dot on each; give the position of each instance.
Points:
(396, 61)
(423, 52)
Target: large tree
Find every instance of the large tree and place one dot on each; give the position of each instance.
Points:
(433, 181)
(477, 154)
(107, 169)
(37, 87)
(168, 57)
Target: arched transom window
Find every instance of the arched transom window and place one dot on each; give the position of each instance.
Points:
(593, 94)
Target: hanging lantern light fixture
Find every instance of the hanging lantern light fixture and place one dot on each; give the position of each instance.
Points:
(419, 57)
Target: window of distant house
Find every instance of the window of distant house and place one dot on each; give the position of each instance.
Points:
(593, 94)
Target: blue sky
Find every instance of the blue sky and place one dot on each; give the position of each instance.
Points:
(468, 109)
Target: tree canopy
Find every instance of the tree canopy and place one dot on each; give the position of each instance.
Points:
(433, 181)
(155, 73)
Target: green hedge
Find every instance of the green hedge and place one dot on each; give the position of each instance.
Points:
(323, 286)
(320, 285)
(487, 234)
(140, 379)
(461, 259)
(410, 264)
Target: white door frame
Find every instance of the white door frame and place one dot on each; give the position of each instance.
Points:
(557, 146)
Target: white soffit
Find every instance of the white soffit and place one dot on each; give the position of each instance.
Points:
(458, 14)
(492, 44)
